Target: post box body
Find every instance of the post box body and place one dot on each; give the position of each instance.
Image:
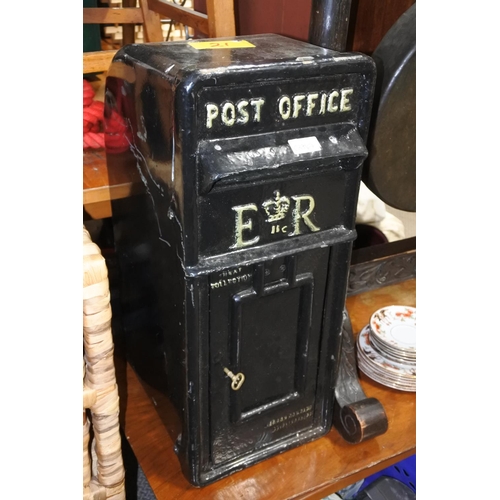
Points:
(234, 258)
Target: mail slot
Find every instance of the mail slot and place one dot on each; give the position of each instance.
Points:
(234, 255)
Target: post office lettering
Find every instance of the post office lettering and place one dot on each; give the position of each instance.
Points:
(314, 103)
(287, 107)
(229, 113)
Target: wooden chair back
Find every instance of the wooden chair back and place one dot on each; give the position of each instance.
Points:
(218, 22)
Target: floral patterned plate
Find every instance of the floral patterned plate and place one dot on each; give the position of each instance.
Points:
(397, 375)
(396, 327)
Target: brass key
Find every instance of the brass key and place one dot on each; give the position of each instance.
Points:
(237, 380)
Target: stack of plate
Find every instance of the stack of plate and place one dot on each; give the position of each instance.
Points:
(387, 350)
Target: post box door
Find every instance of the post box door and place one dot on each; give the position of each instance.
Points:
(278, 354)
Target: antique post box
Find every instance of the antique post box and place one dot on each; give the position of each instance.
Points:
(234, 253)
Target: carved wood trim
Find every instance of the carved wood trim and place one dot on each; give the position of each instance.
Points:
(378, 273)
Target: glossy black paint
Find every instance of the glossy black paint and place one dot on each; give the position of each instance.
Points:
(236, 256)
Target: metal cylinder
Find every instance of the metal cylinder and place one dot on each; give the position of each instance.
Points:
(329, 23)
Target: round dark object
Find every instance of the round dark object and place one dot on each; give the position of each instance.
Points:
(389, 170)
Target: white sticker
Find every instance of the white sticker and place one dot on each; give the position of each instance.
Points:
(305, 145)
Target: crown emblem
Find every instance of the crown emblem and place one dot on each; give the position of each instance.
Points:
(277, 208)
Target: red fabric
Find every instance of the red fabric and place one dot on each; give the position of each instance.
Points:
(88, 93)
(93, 125)
(93, 114)
(93, 140)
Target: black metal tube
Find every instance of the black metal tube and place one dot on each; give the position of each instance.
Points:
(329, 23)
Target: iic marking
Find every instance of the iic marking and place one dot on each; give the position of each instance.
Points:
(275, 229)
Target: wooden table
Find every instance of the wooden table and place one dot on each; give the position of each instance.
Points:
(312, 471)
(99, 189)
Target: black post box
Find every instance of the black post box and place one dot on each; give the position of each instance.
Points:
(235, 255)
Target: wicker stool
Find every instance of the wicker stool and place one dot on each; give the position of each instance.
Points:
(103, 471)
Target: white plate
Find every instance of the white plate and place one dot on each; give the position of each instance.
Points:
(392, 353)
(396, 327)
(388, 383)
(381, 363)
(372, 371)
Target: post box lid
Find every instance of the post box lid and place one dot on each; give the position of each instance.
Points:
(238, 54)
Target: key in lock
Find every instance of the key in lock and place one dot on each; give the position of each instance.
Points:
(237, 380)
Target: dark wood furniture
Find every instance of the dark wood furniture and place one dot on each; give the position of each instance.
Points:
(311, 471)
